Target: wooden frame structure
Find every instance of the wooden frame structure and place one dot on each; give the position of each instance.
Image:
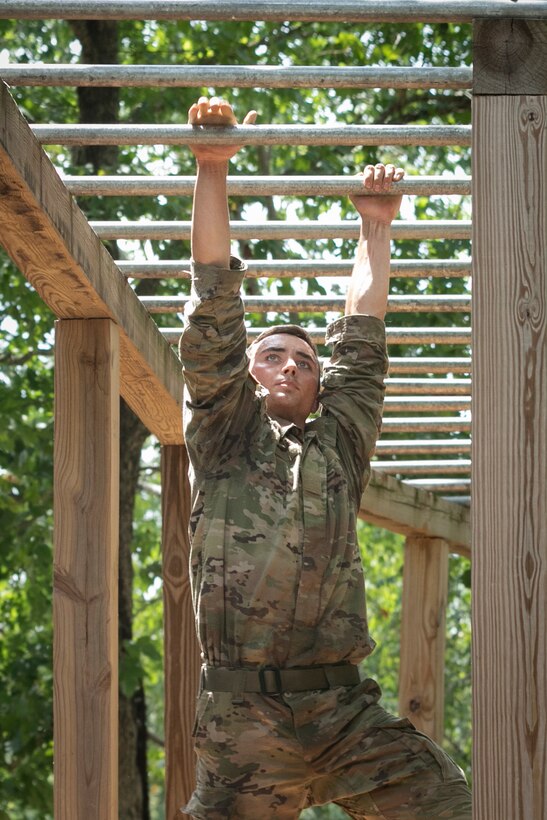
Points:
(108, 343)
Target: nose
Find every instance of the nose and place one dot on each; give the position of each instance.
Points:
(290, 366)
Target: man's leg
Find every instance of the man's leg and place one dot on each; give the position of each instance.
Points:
(249, 764)
(418, 782)
(374, 764)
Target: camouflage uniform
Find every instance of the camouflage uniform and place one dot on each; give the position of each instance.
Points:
(277, 581)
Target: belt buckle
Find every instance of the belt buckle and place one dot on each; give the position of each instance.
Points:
(262, 681)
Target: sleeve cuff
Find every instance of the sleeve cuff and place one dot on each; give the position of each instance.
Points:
(358, 326)
(209, 281)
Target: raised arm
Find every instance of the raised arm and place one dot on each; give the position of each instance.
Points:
(369, 284)
(218, 393)
(210, 220)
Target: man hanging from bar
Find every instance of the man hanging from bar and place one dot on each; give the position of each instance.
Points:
(284, 720)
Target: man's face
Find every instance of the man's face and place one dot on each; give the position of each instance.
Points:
(287, 367)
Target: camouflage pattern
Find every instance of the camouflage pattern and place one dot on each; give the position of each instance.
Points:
(276, 572)
(269, 757)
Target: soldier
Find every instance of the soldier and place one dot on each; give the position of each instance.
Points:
(283, 719)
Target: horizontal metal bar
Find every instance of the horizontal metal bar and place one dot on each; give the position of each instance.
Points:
(420, 426)
(465, 500)
(440, 485)
(260, 185)
(378, 11)
(304, 269)
(244, 76)
(426, 404)
(253, 135)
(320, 304)
(426, 467)
(428, 364)
(348, 229)
(410, 335)
(445, 446)
(416, 387)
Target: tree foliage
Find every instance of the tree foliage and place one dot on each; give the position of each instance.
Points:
(26, 400)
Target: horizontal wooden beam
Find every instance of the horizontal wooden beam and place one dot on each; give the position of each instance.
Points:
(373, 11)
(399, 507)
(50, 241)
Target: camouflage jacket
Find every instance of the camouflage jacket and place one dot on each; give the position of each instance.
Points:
(276, 571)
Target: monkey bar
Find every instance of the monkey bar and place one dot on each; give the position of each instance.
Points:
(248, 76)
(342, 11)
(108, 343)
(248, 186)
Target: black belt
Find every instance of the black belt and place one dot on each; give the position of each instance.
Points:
(272, 681)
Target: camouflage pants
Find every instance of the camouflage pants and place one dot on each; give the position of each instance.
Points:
(266, 758)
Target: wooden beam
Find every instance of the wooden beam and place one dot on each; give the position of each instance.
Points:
(395, 506)
(423, 634)
(510, 435)
(85, 586)
(50, 241)
(509, 57)
(182, 657)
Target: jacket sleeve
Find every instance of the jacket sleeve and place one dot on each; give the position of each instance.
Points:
(218, 390)
(353, 391)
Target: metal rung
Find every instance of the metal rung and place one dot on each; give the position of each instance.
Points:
(425, 467)
(304, 269)
(441, 447)
(341, 11)
(446, 424)
(426, 404)
(410, 335)
(245, 76)
(348, 229)
(320, 304)
(418, 387)
(429, 364)
(281, 135)
(265, 185)
(443, 485)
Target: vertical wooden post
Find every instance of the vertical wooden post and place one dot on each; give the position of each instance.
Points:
(423, 634)
(182, 660)
(509, 501)
(85, 592)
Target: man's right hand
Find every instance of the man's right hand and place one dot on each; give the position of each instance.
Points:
(215, 112)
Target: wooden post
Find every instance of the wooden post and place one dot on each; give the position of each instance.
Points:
(182, 660)
(85, 592)
(423, 633)
(509, 501)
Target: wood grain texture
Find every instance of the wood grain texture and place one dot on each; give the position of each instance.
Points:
(85, 585)
(509, 454)
(50, 241)
(510, 56)
(395, 506)
(182, 658)
(423, 634)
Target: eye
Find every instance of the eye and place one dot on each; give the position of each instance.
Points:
(271, 357)
(304, 364)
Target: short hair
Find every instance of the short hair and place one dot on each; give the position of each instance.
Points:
(291, 330)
